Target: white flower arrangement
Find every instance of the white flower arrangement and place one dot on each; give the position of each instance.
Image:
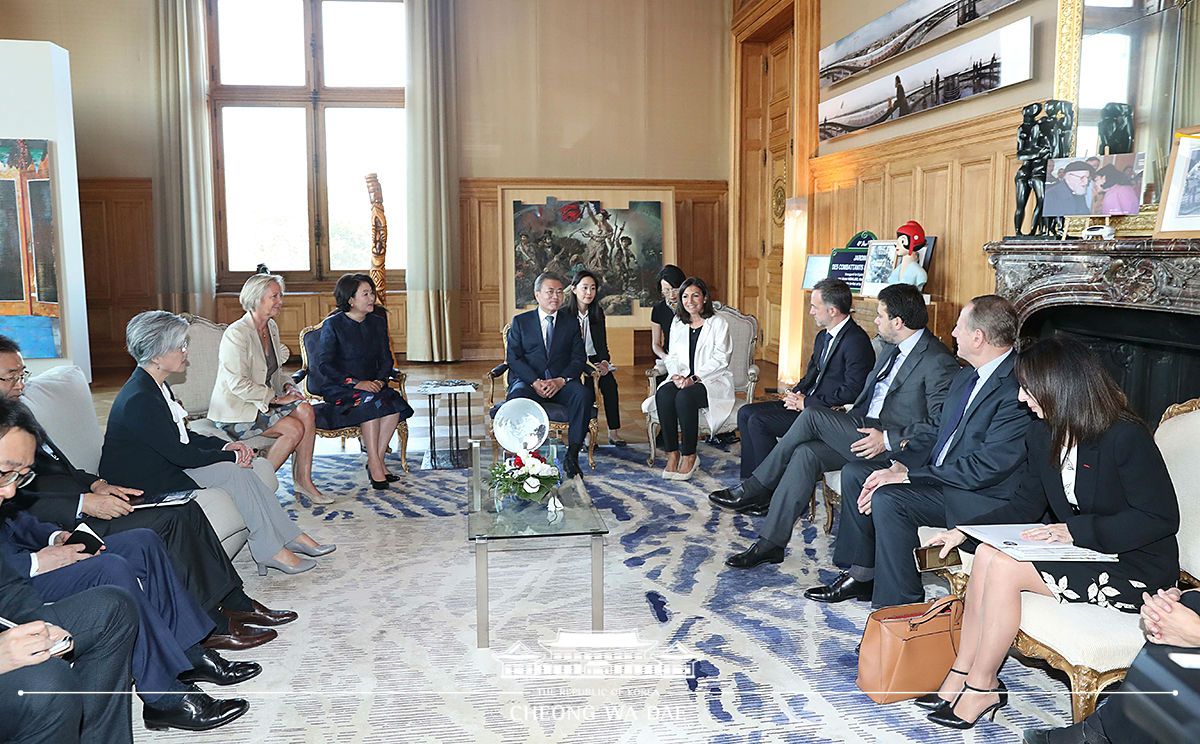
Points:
(529, 477)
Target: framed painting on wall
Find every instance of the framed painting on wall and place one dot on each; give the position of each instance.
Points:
(1179, 212)
(623, 236)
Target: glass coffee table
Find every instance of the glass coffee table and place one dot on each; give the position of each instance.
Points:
(509, 524)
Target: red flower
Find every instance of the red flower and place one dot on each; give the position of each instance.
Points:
(537, 457)
(570, 212)
(517, 462)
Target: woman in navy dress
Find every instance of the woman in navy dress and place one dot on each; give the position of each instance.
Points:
(354, 364)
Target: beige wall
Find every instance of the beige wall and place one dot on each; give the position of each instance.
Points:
(112, 76)
(839, 18)
(611, 89)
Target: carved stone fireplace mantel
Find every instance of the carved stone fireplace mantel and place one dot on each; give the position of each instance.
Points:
(1135, 273)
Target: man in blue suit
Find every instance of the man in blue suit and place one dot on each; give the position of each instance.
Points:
(966, 467)
(841, 359)
(545, 358)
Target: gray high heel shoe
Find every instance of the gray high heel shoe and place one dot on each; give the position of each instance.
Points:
(297, 547)
(304, 565)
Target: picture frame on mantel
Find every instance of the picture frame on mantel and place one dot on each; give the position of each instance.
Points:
(1179, 210)
(624, 235)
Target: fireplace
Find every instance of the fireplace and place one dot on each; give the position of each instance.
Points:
(1136, 302)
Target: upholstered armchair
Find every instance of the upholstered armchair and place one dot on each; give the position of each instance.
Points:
(555, 412)
(743, 330)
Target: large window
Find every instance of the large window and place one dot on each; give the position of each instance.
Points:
(307, 97)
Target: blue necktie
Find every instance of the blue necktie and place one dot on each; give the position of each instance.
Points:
(955, 418)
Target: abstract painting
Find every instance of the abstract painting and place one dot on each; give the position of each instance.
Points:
(992, 61)
(913, 24)
(29, 290)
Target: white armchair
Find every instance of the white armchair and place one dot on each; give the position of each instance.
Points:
(1097, 658)
(743, 330)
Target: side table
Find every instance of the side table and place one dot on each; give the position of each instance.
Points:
(453, 456)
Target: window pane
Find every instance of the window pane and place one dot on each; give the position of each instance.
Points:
(359, 141)
(1104, 70)
(363, 44)
(266, 188)
(261, 42)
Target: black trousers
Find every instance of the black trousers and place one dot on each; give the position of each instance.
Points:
(608, 391)
(103, 621)
(760, 426)
(679, 411)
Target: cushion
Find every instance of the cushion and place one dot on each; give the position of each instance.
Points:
(62, 403)
(1176, 438)
(1113, 643)
(225, 519)
(193, 387)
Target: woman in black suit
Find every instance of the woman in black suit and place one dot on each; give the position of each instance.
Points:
(581, 302)
(1094, 466)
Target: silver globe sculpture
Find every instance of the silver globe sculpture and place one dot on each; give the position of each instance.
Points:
(521, 425)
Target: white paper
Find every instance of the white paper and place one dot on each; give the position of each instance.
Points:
(1007, 539)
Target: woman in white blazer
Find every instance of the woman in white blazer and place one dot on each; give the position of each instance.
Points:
(699, 382)
(251, 398)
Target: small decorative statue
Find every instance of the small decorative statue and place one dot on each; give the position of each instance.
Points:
(910, 238)
(1116, 129)
(1039, 140)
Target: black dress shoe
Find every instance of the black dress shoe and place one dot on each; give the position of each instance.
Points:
(571, 461)
(760, 552)
(240, 637)
(220, 671)
(260, 615)
(841, 590)
(194, 711)
(756, 510)
(1087, 731)
(737, 499)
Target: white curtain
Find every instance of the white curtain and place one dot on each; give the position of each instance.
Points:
(183, 181)
(432, 300)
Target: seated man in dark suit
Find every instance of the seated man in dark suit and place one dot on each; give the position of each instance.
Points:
(972, 467)
(841, 358)
(545, 359)
(902, 399)
(64, 495)
(167, 658)
(102, 623)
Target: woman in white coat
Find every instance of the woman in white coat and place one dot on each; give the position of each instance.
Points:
(700, 382)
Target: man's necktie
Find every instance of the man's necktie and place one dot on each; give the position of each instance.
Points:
(549, 341)
(954, 419)
(887, 368)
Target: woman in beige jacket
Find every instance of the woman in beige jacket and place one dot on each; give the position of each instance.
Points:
(250, 397)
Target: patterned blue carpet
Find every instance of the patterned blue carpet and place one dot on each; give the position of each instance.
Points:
(769, 665)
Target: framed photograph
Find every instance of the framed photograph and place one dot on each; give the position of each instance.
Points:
(1094, 185)
(816, 268)
(624, 236)
(1179, 210)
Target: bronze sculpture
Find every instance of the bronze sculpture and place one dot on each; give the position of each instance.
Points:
(1116, 129)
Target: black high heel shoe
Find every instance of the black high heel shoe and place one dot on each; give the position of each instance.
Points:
(381, 484)
(947, 717)
(934, 700)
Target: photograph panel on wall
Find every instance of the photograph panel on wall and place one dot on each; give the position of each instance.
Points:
(1094, 185)
(816, 268)
(1179, 211)
(623, 236)
(913, 24)
(992, 61)
(29, 282)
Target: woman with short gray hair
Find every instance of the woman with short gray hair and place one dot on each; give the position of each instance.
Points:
(147, 445)
(252, 397)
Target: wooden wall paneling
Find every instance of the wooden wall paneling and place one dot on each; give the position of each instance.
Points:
(898, 205)
(117, 222)
(870, 204)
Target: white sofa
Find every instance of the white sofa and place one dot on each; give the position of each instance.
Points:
(62, 402)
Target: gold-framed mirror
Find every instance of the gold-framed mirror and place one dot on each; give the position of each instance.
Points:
(1141, 52)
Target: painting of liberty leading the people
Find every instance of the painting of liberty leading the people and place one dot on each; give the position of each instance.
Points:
(624, 247)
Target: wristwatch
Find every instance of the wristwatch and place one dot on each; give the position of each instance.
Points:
(694, 379)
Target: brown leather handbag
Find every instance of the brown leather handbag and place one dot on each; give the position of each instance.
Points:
(907, 650)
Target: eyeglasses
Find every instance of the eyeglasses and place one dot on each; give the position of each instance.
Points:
(184, 347)
(9, 477)
(23, 376)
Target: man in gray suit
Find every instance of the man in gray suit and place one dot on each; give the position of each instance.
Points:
(967, 467)
(902, 399)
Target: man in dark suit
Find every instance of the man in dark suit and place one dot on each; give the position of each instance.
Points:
(967, 467)
(545, 358)
(166, 659)
(102, 622)
(902, 399)
(841, 358)
(65, 495)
